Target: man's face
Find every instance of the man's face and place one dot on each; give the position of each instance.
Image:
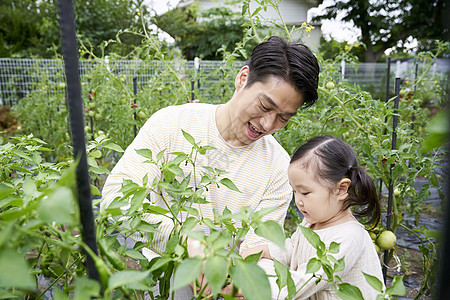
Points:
(262, 108)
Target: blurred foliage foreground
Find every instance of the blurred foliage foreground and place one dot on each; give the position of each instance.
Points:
(40, 243)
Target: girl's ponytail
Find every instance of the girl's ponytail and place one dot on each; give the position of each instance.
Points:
(362, 192)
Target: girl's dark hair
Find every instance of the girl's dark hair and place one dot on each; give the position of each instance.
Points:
(334, 159)
(293, 62)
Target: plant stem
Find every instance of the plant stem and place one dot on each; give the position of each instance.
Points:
(344, 109)
(252, 24)
(304, 285)
(58, 278)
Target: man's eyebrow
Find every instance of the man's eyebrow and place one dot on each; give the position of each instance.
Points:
(271, 102)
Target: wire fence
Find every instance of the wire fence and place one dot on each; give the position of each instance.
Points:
(18, 77)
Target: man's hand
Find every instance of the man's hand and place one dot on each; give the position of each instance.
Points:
(228, 290)
(253, 250)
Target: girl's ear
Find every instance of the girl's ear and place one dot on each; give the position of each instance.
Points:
(342, 188)
(241, 78)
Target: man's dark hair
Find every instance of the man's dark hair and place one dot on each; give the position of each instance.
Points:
(293, 62)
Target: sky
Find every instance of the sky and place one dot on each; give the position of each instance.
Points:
(340, 31)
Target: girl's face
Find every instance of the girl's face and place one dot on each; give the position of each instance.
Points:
(320, 206)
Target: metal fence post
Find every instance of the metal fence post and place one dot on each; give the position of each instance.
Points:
(391, 184)
(70, 54)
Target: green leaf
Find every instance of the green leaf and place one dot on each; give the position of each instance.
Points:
(272, 231)
(18, 274)
(147, 153)
(188, 137)
(313, 238)
(129, 278)
(5, 190)
(284, 278)
(12, 200)
(334, 248)
(95, 191)
(196, 235)
(216, 273)
(313, 265)
(137, 200)
(397, 288)
(252, 280)
(29, 189)
(113, 147)
(134, 254)
(253, 258)
(5, 233)
(96, 153)
(229, 184)
(433, 179)
(187, 272)
(99, 170)
(262, 212)
(349, 292)
(92, 162)
(159, 262)
(176, 170)
(192, 211)
(58, 207)
(374, 282)
(434, 234)
(86, 288)
(160, 155)
(157, 210)
(438, 132)
(339, 265)
(147, 227)
(188, 225)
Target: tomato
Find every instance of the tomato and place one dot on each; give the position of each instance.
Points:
(142, 115)
(396, 192)
(386, 240)
(91, 113)
(91, 105)
(87, 129)
(330, 85)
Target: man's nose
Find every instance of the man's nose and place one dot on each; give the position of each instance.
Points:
(268, 120)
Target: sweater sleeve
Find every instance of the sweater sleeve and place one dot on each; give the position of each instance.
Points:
(132, 166)
(278, 194)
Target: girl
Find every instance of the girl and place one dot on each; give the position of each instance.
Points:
(330, 189)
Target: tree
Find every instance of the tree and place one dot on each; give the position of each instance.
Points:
(332, 49)
(390, 23)
(201, 34)
(30, 27)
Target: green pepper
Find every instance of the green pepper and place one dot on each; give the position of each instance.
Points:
(103, 271)
(112, 256)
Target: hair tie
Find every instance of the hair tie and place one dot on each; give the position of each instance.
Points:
(349, 169)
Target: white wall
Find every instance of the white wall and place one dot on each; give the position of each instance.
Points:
(294, 12)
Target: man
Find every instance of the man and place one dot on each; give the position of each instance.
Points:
(278, 78)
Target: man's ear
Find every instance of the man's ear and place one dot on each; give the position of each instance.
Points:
(342, 188)
(241, 78)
